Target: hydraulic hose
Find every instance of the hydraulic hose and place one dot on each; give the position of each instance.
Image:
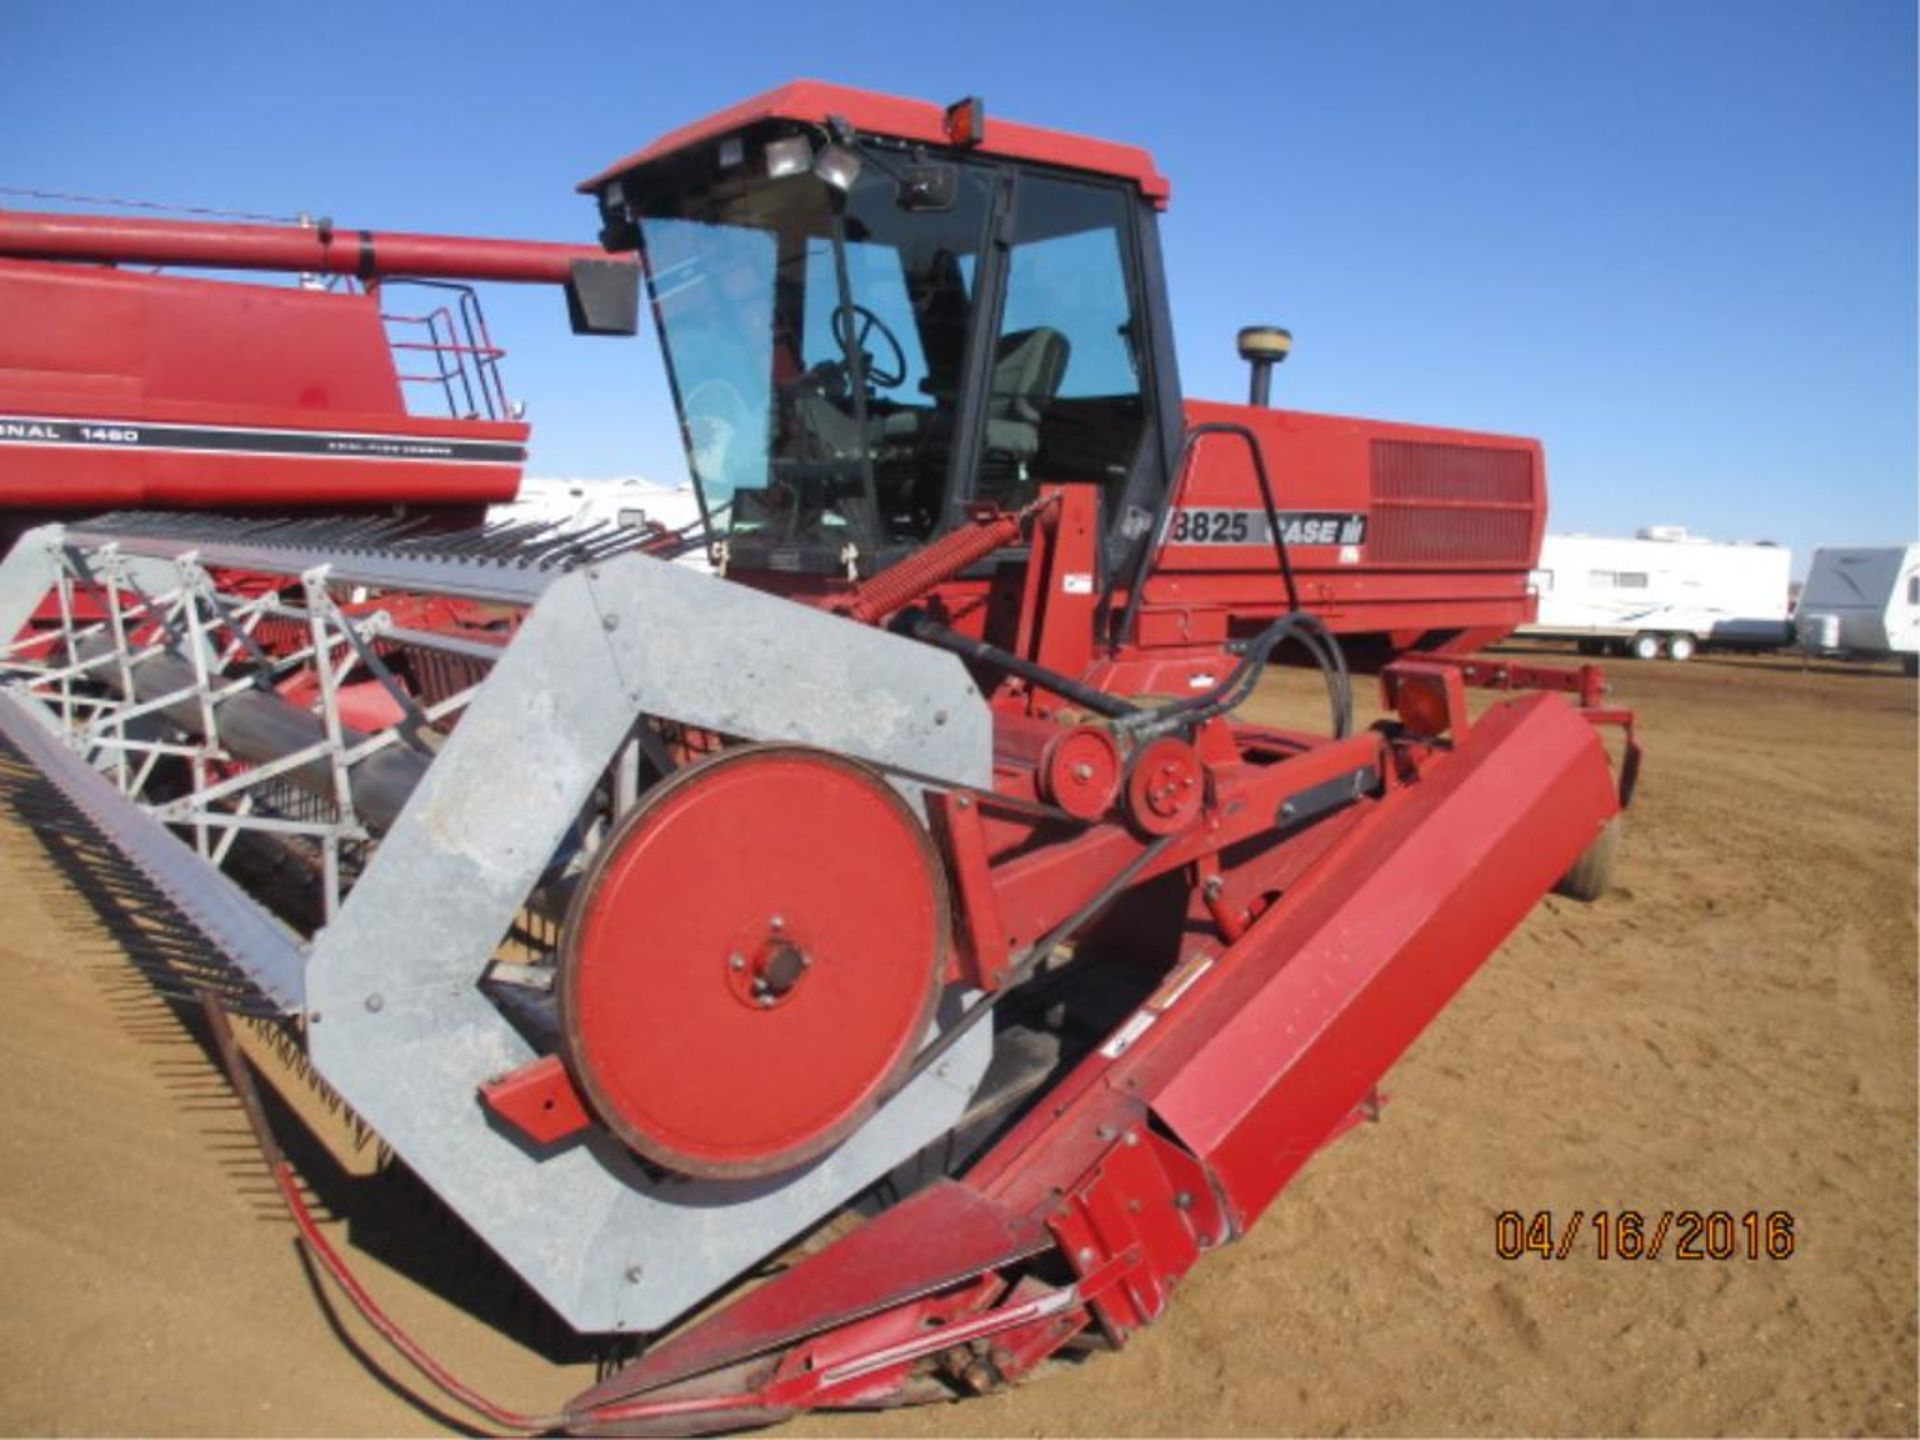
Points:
(921, 626)
(1233, 691)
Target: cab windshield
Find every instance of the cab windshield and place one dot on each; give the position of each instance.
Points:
(816, 339)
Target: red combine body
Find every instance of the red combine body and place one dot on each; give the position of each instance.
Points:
(914, 899)
(127, 389)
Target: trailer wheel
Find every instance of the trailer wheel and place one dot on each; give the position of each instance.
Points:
(1644, 646)
(1680, 647)
(1592, 874)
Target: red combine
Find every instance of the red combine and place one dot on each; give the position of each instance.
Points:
(913, 900)
(131, 389)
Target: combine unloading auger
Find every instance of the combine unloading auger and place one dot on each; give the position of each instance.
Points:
(915, 901)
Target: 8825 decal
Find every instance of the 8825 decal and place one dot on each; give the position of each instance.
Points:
(1214, 525)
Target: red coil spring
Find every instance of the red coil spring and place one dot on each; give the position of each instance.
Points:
(874, 600)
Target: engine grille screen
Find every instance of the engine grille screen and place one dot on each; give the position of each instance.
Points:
(1449, 504)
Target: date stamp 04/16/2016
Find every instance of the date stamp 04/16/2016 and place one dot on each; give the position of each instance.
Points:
(1645, 1234)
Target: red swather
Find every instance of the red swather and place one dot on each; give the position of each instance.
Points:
(758, 940)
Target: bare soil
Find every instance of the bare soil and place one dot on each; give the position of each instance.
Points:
(1733, 1029)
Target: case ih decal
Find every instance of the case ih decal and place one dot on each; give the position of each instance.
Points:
(1196, 526)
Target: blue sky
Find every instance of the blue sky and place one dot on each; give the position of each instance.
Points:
(1674, 239)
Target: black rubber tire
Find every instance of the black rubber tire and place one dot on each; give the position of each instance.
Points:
(1592, 874)
(1910, 666)
(1681, 647)
(1646, 646)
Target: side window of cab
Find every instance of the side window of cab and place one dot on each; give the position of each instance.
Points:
(1065, 398)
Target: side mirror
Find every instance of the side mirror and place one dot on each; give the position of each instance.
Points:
(927, 188)
(603, 297)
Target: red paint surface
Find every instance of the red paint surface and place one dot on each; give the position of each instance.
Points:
(119, 348)
(762, 860)
(289, 249)
(813, 102)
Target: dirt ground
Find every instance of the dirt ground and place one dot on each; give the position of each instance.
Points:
(1732, 1029)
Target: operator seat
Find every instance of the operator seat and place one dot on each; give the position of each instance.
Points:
(1028, 367)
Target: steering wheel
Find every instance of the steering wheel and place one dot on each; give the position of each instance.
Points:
(853, 327)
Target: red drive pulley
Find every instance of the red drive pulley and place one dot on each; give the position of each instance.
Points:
(752, 960)
(1080, 771)
(1166, 786)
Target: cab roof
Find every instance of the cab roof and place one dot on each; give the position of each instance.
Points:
(919, 121)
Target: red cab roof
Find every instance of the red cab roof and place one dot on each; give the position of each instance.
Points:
(812, 101)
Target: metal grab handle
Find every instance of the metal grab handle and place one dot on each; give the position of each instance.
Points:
(1156, 538)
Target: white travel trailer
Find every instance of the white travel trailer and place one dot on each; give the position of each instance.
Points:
(1864, 601)
(1665, 592)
